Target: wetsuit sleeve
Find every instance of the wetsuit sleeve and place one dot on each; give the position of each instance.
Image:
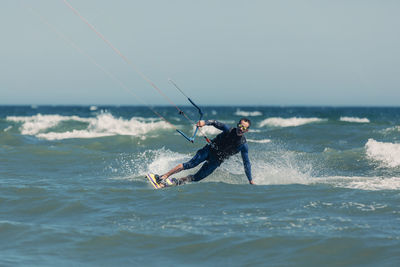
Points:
(246, 162)
(219, 125)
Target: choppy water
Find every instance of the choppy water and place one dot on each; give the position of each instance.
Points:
(72, 189)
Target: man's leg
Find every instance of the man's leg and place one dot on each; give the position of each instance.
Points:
(200, 156)
(204, 171)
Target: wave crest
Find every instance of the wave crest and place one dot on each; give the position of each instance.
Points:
(387, 153)
(362, 183)
(102, 125)
(247, 113)
(355, 119)
(288, 122)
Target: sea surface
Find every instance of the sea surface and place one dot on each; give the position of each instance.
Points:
(73, 192)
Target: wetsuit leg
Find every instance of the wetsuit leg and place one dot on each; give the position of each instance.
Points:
(206, 170)
(200, 156)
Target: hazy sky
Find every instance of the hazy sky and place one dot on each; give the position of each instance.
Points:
(229, 52)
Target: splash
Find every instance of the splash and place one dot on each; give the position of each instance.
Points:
(164, 160)
(136, 166)
(283, 168)
(269, 168)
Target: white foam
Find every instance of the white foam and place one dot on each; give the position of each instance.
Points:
(362, 183)
(247, 113)
(254, 131)
(33, 125)
(285, 169)
(391, 129)
(102, 125)
(277, 169)
(288, 122)
(261, 141)
(71, 135)
(355, 119)
(386, 153)
(136, 166)
(93, 108)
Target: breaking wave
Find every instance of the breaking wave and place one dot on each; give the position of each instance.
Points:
(362, 183)
(33, 125)
(355, 119)
(247, 113)
(261, 141)
(386, 153)
(288, 122)
(45, 126)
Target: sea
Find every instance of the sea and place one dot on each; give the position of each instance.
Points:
(73, 190)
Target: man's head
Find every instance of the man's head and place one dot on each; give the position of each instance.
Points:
(243, 126)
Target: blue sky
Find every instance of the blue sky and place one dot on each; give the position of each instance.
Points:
(221, 52)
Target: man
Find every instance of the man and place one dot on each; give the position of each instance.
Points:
(230, 142)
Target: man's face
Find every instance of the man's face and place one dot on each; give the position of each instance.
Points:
(242, 127)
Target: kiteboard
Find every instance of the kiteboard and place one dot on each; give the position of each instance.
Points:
(153, 181)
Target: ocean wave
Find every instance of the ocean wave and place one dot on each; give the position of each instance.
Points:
(261, 141)
(72, 134)
(288, 122)
(362, 183)
(391, 129)
(33, 125)
(100, 126)
(355, 119)
(247, 113)
(386, 153)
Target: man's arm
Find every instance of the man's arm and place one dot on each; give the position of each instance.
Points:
(219, 125)
(246, 162)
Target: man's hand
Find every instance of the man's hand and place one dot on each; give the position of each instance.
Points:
(201, 124)
(251, 182)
